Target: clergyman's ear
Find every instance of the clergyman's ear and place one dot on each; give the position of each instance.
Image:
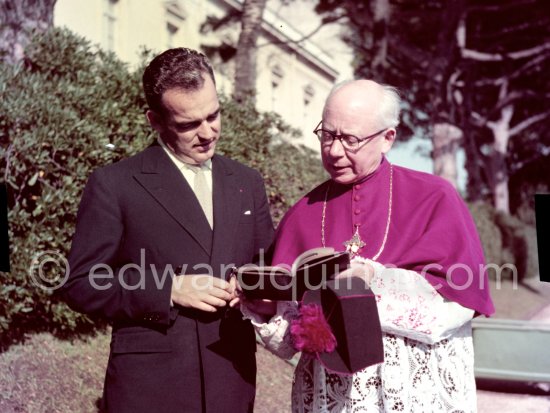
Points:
(389, 139)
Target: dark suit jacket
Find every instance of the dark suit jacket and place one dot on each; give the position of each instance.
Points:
(138, 221)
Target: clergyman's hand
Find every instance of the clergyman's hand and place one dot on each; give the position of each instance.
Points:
(362, 270)
(265, 308)
(202, 292)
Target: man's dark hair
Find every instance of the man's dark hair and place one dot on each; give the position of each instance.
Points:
(178, 68)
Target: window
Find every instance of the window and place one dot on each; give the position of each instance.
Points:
(172, 30)
(308, 116)
(110, 24)
(277, 75)
(175, 16)
(309, 92)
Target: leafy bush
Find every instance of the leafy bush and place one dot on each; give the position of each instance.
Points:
(531, 179)
(489, 233)
(506, 240)
(520, 242)
(69, 109)
(255, 139)
(60, 110)
(290, 174)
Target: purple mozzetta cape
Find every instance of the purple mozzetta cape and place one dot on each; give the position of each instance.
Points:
(431, 230)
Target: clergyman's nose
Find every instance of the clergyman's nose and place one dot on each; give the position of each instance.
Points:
(336, 148)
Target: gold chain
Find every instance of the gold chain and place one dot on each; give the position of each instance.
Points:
(375, 257)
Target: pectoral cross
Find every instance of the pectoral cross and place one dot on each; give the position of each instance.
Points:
(355, 243)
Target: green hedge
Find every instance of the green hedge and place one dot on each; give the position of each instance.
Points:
(60, 109)
(506, 240)
(69, 109)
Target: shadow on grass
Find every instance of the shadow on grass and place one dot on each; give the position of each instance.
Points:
(20, 330)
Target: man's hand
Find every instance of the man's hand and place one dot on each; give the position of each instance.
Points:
(235, 292)
(202, 292)
(265, 308)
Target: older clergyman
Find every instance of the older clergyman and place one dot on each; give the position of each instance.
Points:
(415, 244)
(176, 345)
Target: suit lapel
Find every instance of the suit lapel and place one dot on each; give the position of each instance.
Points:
(162, 179)
(227, 207)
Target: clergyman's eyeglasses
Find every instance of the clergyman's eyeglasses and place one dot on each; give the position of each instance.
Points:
(349, 142)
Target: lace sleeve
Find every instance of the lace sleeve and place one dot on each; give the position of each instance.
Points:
(275, 334)
(409, 306)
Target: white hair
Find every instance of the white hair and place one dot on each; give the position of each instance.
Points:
(389, 107)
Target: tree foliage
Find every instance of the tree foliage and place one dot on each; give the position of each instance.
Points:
(69, 109)
(477, 65)
(505, 54)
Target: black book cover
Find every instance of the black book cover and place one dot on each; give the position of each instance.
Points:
(310, 271)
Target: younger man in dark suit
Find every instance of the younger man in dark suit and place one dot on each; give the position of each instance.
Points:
(177, 346)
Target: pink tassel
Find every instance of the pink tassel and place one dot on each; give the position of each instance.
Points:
(310, 331)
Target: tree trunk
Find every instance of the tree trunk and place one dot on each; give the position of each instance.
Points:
(381, 12)
(446, 137)
(499, 170)
(19, 20)
(475, 185)
(446, 140)
(245, 59)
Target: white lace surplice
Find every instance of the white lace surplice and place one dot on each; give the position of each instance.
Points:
(428, 354)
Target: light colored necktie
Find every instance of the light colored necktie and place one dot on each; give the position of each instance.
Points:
(203, 193)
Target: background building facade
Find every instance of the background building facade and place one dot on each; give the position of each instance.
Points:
(293, 78)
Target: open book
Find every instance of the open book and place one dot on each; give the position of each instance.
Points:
(308, 272)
